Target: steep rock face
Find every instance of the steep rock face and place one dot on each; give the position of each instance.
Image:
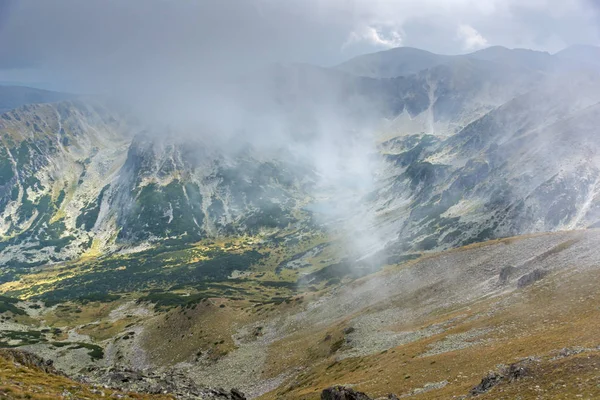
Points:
(185, 190)
(29, 360)
(530, 165)
(78, 178)
(56, 158)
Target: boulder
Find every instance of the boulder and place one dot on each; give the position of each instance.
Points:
(343, 393)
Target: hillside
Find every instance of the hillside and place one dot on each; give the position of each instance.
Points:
(435, 325)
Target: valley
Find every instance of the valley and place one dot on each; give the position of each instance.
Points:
(429, 230)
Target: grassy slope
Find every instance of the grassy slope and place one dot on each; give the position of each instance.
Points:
(559, 312)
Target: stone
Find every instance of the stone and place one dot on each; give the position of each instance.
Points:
(343, 393)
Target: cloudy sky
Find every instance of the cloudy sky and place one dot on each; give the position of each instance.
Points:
(94, 45)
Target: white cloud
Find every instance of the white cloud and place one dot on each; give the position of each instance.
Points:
(471, 39)
(374, 36)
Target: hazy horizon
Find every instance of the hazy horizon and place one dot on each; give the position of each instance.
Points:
(51, 87)
(115, 47)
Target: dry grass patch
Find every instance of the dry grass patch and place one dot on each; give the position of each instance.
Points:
(558, 312)
(205, 328)
(74, 314)
(106, 329)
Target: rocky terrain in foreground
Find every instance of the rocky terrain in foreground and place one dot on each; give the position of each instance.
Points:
(430, 328)
(25, 375)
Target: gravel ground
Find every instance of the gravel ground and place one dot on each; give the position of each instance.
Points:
(372, 333)
(457, 341)
(70, 361)
(426, 388)
(240, 368)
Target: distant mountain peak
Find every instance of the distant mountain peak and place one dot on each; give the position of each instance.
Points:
(399, 61)
(582, 53)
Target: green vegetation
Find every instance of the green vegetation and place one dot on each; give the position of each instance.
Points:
(23, 338)
(95, 352)
(6, 167)
(98, 297)
(14, 193)
(428, 243)
(269, 216)
(173, 210)
(7, 304)
(216, 211)
(165, 300)
(51, 236)
(156, 268)
(61, 197)
(23, 155)
(89, 214)
(334, 273)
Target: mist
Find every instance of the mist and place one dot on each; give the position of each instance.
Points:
(235, 74)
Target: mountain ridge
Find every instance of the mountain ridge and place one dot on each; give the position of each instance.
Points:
(156, 177)
(15, 96)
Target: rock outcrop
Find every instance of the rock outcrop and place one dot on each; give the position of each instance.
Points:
(172, 383)
(508, 374)
(342, 393)
(29, 360)
(532, 277)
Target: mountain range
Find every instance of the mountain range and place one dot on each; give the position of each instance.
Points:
(470, 148)
(122, 233)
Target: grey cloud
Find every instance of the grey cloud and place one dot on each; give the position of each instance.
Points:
(133, 45)
(114, 41)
